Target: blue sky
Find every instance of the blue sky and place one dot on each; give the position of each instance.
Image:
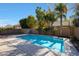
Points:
(11, 13)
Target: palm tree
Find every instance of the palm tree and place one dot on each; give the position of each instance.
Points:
(61, 10)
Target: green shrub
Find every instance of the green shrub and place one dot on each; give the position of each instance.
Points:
(6, 29)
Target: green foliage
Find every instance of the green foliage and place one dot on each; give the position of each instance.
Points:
(50, 17)
(61, 10)
(6, 29)
(28, 22)
(42, 24)
(76, 22)
(23, 23)
(44, 18)
(40, 13)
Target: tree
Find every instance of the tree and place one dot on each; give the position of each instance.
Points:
(31, 22)
(28, 22)
(61, 11)
(23, 23)
(50, 17)
(40, 14)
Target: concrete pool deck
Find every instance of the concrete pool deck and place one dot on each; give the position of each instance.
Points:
(13, 47)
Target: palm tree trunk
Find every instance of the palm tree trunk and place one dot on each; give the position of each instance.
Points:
(61, 20)
(61, 24)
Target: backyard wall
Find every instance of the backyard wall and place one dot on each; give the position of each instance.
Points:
(64, 31)
(67, 31)
(11, 32)
(18, 31)
(76, 32)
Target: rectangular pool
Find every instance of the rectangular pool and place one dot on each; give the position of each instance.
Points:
(50, 42)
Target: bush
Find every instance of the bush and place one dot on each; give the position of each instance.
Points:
(6, 29)
(28, 22)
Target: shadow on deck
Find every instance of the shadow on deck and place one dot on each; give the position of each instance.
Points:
(75, 42)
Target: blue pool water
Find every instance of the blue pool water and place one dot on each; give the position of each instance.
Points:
(50, 42)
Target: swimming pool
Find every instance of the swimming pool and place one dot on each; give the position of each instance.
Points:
(50, 42)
